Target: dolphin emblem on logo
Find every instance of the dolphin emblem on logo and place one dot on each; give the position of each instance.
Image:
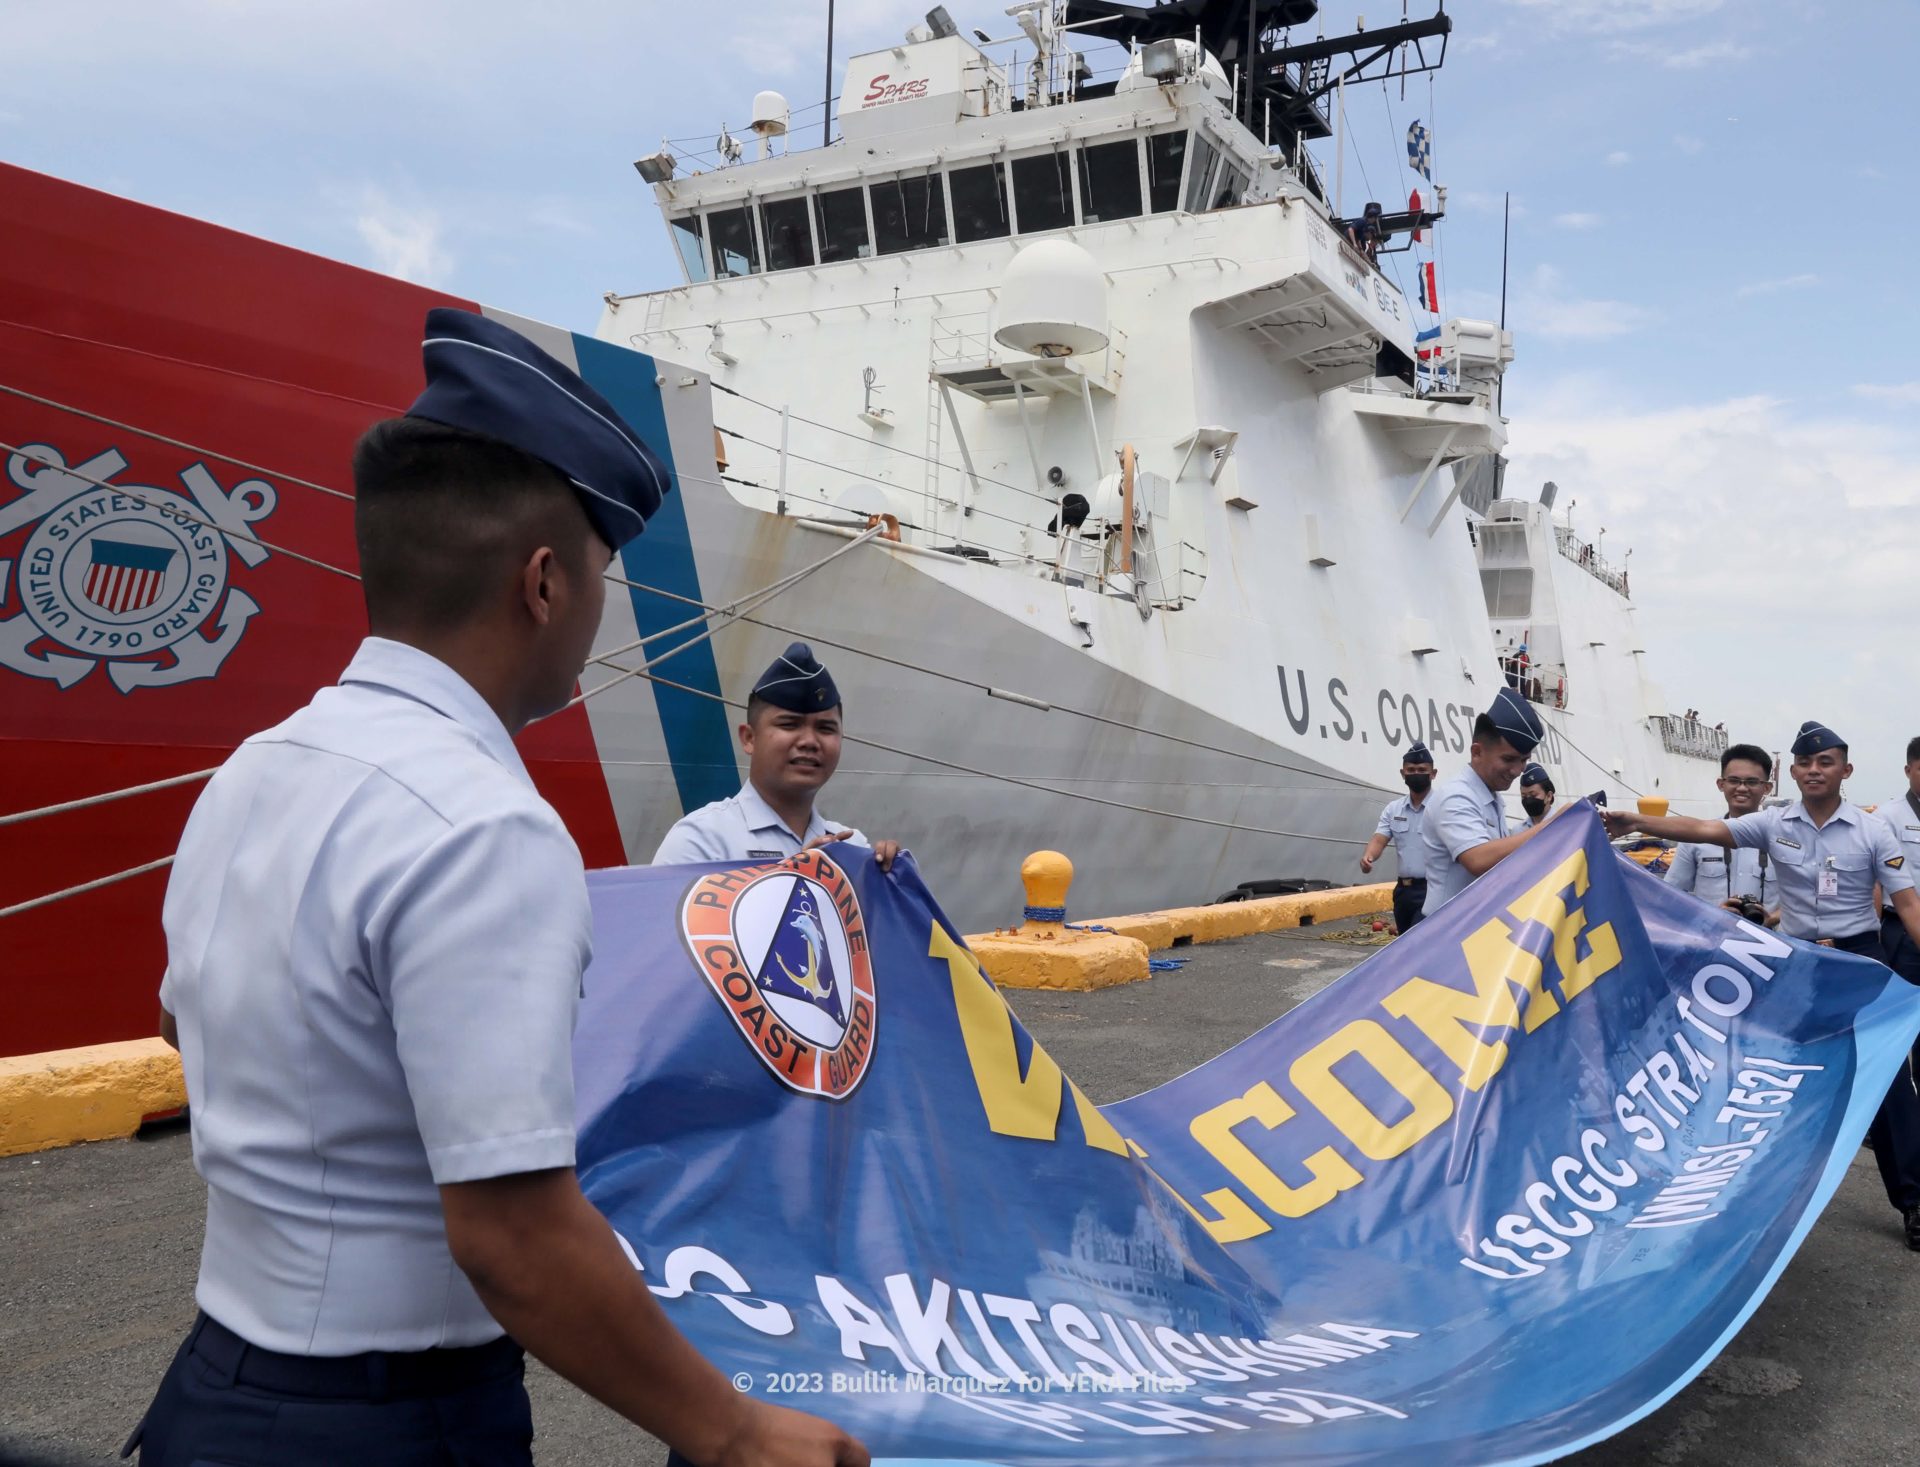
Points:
(808, 926)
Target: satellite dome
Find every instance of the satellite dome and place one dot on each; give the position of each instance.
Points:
(1053, 301)
(770, 114)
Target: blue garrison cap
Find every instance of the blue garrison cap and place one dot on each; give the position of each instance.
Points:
(1517, 723)
(797, 682)
(1416, 754)
(1536, 774)
(1816, 737)
(488, 378)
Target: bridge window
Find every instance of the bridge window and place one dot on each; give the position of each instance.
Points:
(1166, 152)
(691, 242)
(979, 203)
(1201, 168)
(783, 224)
(1110, 181)
(735, 251)
(1043, 192)
(842, 217)
(909, 214)
(1229, 187)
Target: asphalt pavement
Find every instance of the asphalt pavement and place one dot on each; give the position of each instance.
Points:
(99, 1244)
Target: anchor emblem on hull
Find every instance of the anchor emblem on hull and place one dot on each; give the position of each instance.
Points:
(128, 575)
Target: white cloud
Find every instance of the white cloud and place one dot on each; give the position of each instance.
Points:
(1577, 221)
(1481, 202)
(1619, 159)
(403, 240)
(1543, 303)
(1605, 17)
(1894, 392)
(1771, 287)
(1689, 144)
(1693, 58)
(1716, 497)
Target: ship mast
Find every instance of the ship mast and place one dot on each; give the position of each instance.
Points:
(1285, 87)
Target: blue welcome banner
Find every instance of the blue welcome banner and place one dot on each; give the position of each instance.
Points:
(1492, 1196)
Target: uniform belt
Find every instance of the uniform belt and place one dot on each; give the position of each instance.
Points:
(1866, 943)
(1411, 881)
(378, 1375)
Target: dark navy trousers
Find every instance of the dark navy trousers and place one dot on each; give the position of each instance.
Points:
(223, 1403)
(1409, 896)
(1895, 1132)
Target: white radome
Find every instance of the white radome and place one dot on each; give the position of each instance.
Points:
(1053, 301)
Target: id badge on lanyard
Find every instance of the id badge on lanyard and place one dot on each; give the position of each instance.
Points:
(1829, 880)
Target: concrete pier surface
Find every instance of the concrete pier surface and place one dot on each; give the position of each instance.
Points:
(99, 1244)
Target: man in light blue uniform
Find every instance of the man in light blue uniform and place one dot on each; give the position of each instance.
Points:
(1715, 874)
(376, 933)
(1827, 856)
(1901, 814)
(1466, 828)
(792, 741)
(1401, 823)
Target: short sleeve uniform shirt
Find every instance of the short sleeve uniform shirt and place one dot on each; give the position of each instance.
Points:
(376, 930)
(741, 827)
(1826, 874)
(1402, 822)
(1899, 815)
(1462, 813)
(1714, 873)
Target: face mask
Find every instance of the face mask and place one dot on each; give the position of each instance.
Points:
(1419, 784)
(1535, 808)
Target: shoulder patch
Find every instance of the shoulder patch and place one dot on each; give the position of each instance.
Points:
(1896, 862)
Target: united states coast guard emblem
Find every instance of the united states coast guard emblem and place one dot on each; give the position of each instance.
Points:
(785, 950)
(130, 576)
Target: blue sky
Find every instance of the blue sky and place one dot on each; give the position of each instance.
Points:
(1718, 334)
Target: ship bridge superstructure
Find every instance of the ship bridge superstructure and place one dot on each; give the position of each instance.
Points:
(861, 289)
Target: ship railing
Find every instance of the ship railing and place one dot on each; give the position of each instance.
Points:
(1181, 575)
(967, 338)
(1587, 556)
(1544, 683)
(1690, 737)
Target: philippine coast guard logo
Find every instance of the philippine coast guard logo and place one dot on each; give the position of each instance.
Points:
(785, 949)
(134, 577)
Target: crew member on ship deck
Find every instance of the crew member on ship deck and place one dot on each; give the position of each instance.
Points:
(1400, 823)
(376, 933)
(791, 738)
(1466, 830)
(1827, 856)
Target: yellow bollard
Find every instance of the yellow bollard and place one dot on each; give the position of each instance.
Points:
(1043, 952)
(1047, 876)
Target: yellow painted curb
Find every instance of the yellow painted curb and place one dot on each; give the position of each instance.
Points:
(1259, 914)
(1046, 955)
(1056, 959)
(90, 1094)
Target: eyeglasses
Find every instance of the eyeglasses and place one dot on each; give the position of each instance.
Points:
(1744, 784)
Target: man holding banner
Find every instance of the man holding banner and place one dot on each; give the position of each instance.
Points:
(791, 738)
(1828, 856)
(376, 935)
(1466, 835)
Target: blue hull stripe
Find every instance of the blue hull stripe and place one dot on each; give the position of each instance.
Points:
(698, 731)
